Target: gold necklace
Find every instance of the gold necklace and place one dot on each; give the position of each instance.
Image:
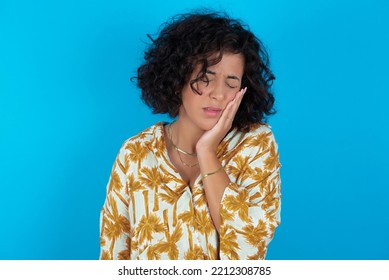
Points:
(177, 148)
(180, 150)
(186, 164)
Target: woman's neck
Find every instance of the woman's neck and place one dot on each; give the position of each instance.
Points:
(185, 135)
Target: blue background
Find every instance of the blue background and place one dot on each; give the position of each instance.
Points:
(67, 104)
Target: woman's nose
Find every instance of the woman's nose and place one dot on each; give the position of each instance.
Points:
(217, 91)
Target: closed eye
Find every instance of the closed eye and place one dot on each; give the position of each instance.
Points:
(231, 81)
(231, 86)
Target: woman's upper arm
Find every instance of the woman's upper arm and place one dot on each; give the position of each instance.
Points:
(250, 207)
(114, 220)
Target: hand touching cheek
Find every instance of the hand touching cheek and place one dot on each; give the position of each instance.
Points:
(210, 140)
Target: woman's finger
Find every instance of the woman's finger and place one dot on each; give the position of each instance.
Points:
(232, 107)
(225, 121)
(238, 100)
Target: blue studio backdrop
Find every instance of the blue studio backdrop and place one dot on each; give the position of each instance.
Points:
(67, 104)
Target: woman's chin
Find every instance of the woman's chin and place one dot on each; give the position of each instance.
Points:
(208, 125)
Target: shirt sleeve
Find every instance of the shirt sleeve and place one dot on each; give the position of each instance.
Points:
(115, 242)
(251, 203)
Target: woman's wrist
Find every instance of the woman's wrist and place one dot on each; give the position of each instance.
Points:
(205, 175)
(205, 151)
(208, 159)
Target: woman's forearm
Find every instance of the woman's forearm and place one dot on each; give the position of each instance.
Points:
(214, 184)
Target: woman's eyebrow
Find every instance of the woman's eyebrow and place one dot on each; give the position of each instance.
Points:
(233, 77)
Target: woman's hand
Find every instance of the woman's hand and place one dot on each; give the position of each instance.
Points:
(210, 140)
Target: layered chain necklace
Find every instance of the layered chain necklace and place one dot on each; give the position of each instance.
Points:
(180, 151)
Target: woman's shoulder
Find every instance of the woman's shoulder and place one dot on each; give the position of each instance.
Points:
(262, 130)
(148, 133)
(146, 136)
(259, 136)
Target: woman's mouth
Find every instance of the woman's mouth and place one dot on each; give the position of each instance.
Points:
(212, 111)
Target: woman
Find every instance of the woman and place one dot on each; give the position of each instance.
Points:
(207, 185)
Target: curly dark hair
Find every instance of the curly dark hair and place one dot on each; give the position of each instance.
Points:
(193, 38)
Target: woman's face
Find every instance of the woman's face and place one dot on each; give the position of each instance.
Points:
(225, 80)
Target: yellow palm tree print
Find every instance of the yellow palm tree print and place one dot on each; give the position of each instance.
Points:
(151, 178)
(169, 246)
(137, 152)
(228, 242)
(133, 186)
(148, 224)
(172, 198)
(151, 213)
